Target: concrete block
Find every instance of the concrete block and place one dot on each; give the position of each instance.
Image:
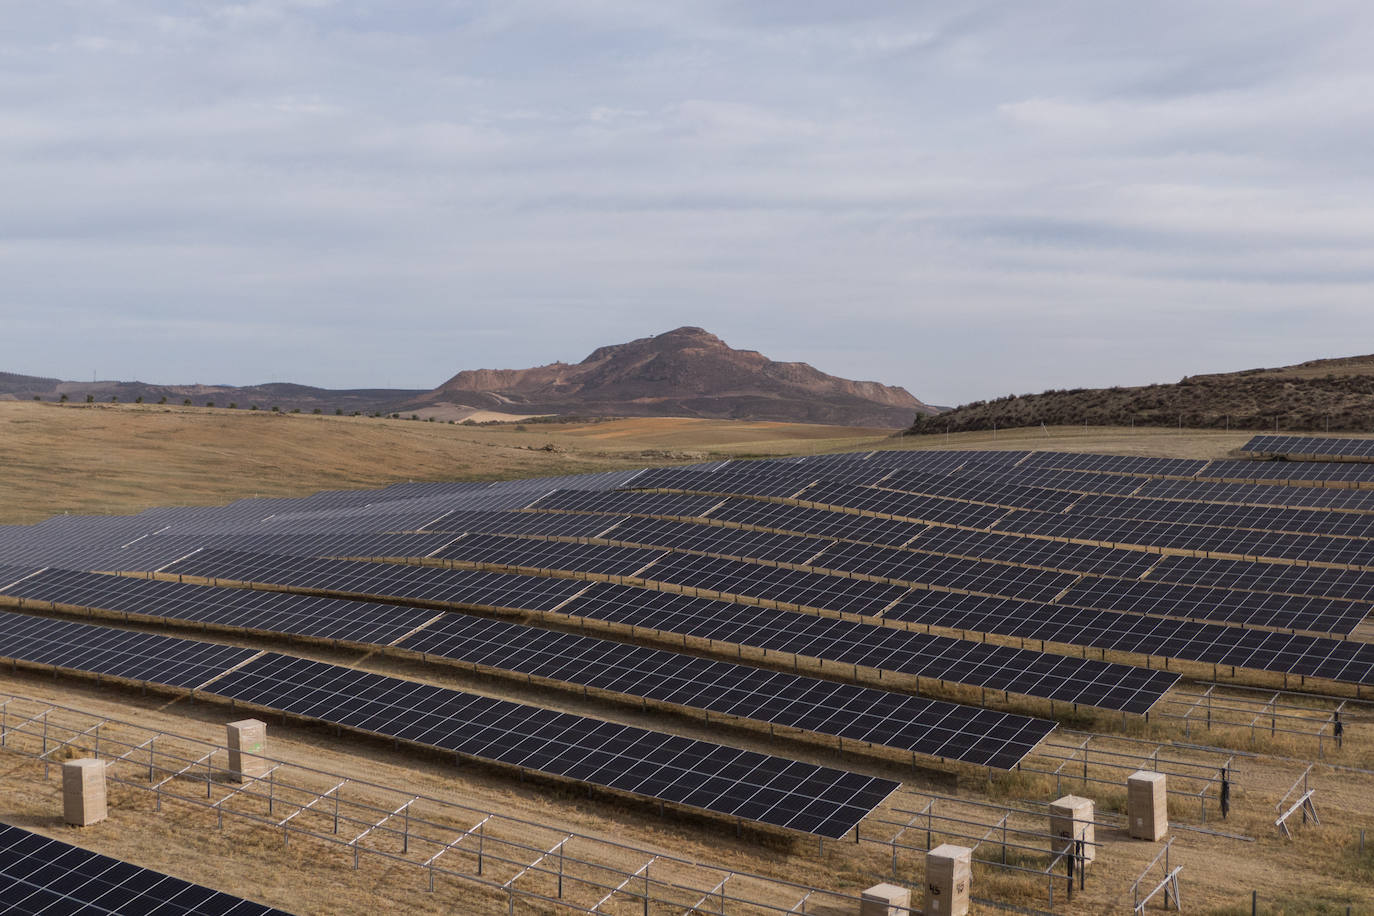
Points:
(247, 739)
(1071, 818)
(1147, 805)
(949, 876)
(83, 792)
(885, 900)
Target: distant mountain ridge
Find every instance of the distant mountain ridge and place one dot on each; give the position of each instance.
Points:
(285, 395)
(685, 372)
(1335, 394)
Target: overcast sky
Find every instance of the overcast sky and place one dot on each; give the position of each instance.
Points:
(967, 199)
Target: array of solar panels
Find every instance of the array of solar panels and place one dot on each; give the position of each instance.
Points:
(41, 877)
(1315, 447)
(723, 780)
(832, 559)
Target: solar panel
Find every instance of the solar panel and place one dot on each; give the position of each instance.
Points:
(735, 542)
(1290, 612)
(930, 727)
(1064, 480)
(499, 550)
(774, 584)
(981, 489)
(902, 505)
(273, 612)
(1313, 448)
(40, 876)
(359, 578)
(133, 656)
(1203, 540)
(1290, 472)
(543, 524)
(1339, 499)
(1353, 585)
(626, 503)
(817, 522)
(1005, 548)
(905, 566)
(1115, 464)
(1296, 521)
(1262, 650)
(1056, 677)
(723, 780)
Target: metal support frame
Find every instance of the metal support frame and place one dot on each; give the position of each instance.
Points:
(1169, 884)
(1303, 804)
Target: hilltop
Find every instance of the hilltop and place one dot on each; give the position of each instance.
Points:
(1335, 394)
(687, 372)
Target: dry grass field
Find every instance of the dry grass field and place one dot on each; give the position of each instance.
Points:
(122, 458)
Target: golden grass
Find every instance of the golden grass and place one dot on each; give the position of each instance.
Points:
(123, 458)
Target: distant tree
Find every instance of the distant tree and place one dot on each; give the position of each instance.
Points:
(62, 399)
(139, 399)
(276, 409)
(338, 412)
(415, 416)
(252, 407)
(233, 405)
(114, 399)
(209, 403)
(469, 422)
(295, 410)
(163, 399)
(186, 402)
(90, 399)
(37, 397)
(316, 410)
(429, 419)
(395, 416)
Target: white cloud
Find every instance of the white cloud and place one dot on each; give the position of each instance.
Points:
(967, 201)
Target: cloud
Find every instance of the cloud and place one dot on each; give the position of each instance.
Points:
(965, 201)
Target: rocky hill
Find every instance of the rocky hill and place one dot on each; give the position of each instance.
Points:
(687, 372)
(1335, 394)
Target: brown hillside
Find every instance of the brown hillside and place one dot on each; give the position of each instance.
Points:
(1326, 394)
(687, 372)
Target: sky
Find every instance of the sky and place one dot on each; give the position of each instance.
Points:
(968, 199)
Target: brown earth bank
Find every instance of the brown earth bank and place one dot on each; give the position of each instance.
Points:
(1335, 395)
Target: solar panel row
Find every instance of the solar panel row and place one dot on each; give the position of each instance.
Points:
(1055, 677)
(356, 577)
(723, 780)
(1262, 650)
(1310, 446)
(1202, 540)
(42, 877)
(980, 736)
(272, 612)
(893, 720)
(1295, 521)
